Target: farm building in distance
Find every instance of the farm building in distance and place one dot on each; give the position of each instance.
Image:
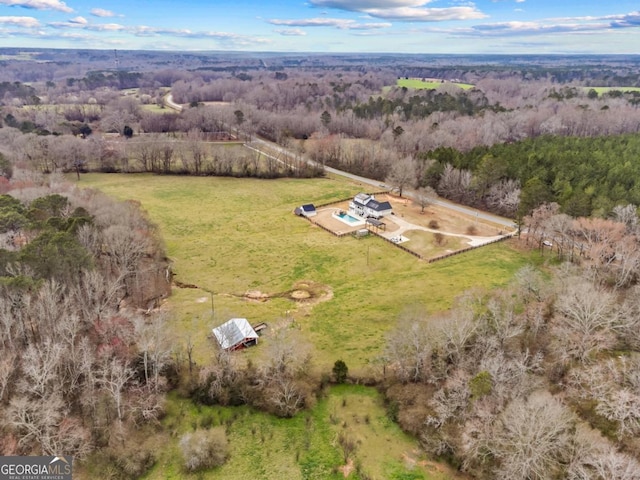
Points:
(235, 334)
(366, 206)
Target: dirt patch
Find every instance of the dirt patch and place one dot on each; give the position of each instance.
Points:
(347, 469)
(300, 295)
(305, 292)
(256, 295)
(309, 292)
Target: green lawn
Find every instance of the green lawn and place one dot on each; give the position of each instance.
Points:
(228, 236)
(304, 447)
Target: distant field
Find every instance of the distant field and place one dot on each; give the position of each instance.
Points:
(153, 108)
(429, 84)
(608, 89)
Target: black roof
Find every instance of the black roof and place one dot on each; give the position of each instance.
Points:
(378, 206)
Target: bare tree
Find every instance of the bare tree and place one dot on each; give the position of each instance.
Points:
(8, 365)
(531, 438)
(113, 376)
(425, 197)
(408, 349)
(402, 174)
(454, 183)
(504, 196)
(585, 317)
(154, 345)
(41, 369)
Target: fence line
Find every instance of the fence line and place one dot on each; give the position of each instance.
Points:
(337, 234)
(415, 254)
(457, 252)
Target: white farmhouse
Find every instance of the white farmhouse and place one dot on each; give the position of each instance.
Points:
(366, 206)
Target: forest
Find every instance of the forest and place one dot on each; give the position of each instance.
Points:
(538, 379)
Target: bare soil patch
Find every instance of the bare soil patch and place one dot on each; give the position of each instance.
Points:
(304, 292)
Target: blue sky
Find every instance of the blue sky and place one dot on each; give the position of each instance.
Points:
(409, 26)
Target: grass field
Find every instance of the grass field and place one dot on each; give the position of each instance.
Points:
(429, 84)
(228, 236)
(304, 447)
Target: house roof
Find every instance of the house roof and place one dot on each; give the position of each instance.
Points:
(234, 331)
(378, 206)
(366, 200)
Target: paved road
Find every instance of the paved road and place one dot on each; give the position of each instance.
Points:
(168, 99)
(472, 212)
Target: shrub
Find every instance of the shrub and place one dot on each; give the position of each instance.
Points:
(340, 371)
(434, 224)
(439, 239)
(204, 449)
(481, 385)
(472, 230)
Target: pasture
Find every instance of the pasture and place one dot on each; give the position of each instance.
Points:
(602, 90)
(227, 237)
(429, 83)
(303, 447)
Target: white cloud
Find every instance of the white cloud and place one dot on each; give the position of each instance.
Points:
(101, 12)
(568, 25)
(291, 32)
(81, 22)
(38, 4)
(341, 23)
(27, 22)
(411, 14)
(364, 5)
(404, 10)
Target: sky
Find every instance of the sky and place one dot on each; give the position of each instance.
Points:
(368, 26)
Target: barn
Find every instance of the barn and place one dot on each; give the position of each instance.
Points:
(235, 334)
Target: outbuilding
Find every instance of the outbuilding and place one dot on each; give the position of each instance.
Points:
(308, 210)
(235, 334)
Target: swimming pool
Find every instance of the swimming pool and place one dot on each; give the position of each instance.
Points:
(348, 219)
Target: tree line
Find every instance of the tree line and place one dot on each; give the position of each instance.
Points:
(85, 356)
(585, 176)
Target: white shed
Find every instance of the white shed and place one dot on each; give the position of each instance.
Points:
(235, 334)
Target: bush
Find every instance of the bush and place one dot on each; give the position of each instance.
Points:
(204, 449)
(439, 239)
(340, 371)
(434, 224)
(472, 230)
